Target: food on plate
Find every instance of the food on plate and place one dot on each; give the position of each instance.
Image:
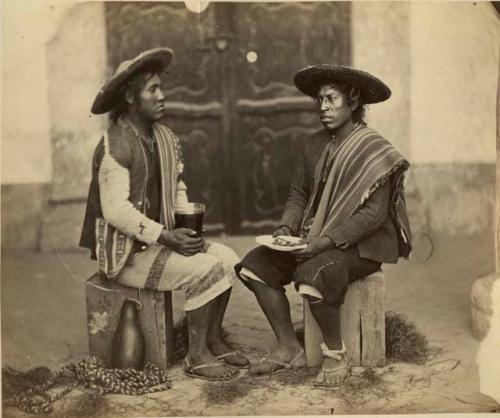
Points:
(284, 242)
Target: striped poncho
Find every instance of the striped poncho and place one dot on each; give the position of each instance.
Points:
(362, 163)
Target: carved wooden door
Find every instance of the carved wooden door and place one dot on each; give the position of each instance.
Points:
(230, 94)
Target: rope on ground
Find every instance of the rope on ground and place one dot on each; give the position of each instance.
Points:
(92, 374)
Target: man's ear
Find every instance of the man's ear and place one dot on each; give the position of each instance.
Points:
(129, 96)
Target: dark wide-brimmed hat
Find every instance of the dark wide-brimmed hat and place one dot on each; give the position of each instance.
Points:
(310, 79)
(110, 92)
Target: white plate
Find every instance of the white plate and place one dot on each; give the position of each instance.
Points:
(267, 240)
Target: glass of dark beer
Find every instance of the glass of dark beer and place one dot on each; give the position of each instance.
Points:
(191, 217)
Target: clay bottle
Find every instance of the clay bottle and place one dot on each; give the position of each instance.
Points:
(128, 345)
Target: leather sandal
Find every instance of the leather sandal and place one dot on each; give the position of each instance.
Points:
(339, 355)
(282, 366)
(191, 371)
(224, 358)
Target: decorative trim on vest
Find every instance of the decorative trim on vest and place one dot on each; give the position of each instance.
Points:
(113, 248)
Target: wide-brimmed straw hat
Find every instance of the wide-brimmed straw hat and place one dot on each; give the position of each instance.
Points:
(310, 79)
(109, 94)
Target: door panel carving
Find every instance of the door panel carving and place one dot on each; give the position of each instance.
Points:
(203, 166)
(287, 37)
(269, 152)
(134, 27)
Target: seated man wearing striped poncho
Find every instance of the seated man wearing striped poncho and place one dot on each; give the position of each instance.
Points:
(346, 200)
(129, 223)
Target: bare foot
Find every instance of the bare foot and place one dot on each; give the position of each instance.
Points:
(282, 357)
(333, 372)
(214, 369)
(228, 355)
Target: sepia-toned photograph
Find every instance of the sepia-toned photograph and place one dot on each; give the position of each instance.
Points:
(215, 208)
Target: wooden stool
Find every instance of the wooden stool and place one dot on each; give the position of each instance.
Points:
(362, 321)
(104, 299)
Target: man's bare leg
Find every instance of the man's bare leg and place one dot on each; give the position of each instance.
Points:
(276, 307)
(198, 321)
(328, 318)
(214, 337)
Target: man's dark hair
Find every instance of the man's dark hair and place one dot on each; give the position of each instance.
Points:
(350, 92)
(135, 84)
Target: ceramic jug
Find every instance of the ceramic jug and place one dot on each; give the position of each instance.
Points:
(128, 347)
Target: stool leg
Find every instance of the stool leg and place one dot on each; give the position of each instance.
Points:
(373, 321)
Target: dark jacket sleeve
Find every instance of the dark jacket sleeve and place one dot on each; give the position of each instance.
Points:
(298, 195)
(365, 221)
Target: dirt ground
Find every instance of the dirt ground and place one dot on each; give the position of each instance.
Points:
(43, 324)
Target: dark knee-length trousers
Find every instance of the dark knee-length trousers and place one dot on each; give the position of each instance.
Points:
(330, 272)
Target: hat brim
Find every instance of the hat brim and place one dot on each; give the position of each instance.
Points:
(109, 93)
(310, 79)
